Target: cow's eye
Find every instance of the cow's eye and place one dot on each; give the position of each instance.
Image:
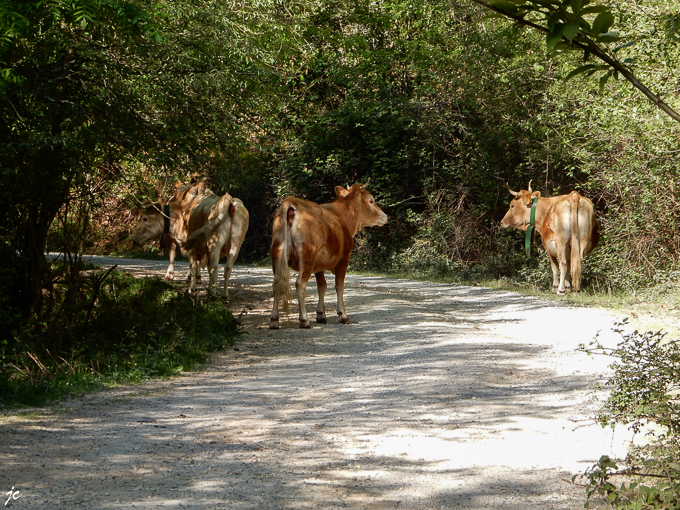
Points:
(371, 201)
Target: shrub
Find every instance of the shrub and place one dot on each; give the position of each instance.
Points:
(644, 394)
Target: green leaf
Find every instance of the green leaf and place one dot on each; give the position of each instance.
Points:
(570, 31)
(609, 37)
(602, 22)
(545, 3)
(554, 37)
(581, 70)
(621, 46)
(584, 25)
(576, 6)
(554, 19)
(593, 9)
(504, 5)
(605, 79)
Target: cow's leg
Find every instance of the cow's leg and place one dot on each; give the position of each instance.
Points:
(555, 271)
(340, 273)
(301, 290)
(321, 285)
(564, 269)
(213, 265)
(231, 258)
(194, 268)
(171, 265)
(275, 256)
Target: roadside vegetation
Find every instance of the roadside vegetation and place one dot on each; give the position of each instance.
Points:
(115, 329)
(438, 103)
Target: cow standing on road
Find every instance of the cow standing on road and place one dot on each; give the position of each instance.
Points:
(312, 238)
(568, 228)
(169, 221)
(217, 227)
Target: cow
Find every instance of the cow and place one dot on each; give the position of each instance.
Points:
(171, 226)
(312, 238)
(568, 228)
(216, 228)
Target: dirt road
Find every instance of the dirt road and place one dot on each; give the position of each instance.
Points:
(436, 396)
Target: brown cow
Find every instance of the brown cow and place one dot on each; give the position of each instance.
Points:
(217, 227)
(313, 238)
(171, 228)
(568, 227)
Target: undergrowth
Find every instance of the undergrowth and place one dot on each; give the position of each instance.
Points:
(118, 329)
(643, 396)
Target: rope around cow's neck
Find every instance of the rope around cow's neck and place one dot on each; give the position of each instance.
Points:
(166, 219)
(530, 228)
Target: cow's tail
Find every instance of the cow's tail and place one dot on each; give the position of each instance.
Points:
(282, 241)
(226, 212)
(576, 253)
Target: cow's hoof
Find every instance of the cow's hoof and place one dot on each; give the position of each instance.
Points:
(343, 320)
(321, 318)
(274, 324)
(304, 325)
(168, 278)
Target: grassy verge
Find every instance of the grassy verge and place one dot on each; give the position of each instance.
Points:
(115, 331)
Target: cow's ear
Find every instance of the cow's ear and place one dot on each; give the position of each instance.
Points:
(340, 191)
(536, 194)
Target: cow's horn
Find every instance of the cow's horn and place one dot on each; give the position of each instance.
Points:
(515, 193)
(529, 189)
(363, 186)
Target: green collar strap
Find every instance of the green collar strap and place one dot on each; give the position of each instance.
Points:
(530, 228)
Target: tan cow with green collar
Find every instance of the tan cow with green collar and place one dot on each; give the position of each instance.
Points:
(568, 227)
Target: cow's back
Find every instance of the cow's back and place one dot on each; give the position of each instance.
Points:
(556, 226)
(319, 234)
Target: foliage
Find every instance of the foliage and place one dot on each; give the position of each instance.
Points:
(644, 390)
(579, 25)
(118, 329)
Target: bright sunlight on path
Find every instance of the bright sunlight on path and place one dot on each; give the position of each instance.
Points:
(436, 396)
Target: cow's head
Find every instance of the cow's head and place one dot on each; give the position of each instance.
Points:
(151, 224)
(367, 211)
(519, 214)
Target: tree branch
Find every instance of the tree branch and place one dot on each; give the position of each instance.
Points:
(596, 50)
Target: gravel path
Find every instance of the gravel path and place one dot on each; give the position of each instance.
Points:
(436, 396)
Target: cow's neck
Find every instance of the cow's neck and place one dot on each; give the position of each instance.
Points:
(542, 207)
(176, 217)
(351, 216)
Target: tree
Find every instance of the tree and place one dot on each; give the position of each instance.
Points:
(566, 25)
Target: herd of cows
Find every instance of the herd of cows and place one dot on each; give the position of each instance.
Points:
(312, 238)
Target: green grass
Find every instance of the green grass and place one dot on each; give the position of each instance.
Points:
(126, 331)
